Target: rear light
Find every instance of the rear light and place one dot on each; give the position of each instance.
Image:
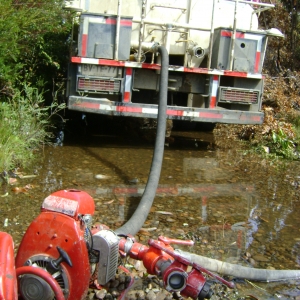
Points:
(236, 95)
(98, 85)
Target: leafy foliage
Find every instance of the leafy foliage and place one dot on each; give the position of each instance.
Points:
(24, 123)
(283, 53)
(33, 43)
(33, 60)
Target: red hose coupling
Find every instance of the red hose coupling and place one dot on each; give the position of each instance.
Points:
(154, 258)
(175, 276)
(194, 285)
(133, 249)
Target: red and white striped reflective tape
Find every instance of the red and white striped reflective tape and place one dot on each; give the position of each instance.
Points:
(84, 39)
(128, 83)
(170, 112)
(129, 64)
(258, 48)
(214, 91)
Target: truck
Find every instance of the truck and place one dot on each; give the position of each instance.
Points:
(216, 53)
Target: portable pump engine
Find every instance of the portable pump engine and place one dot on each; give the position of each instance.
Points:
(61, 253)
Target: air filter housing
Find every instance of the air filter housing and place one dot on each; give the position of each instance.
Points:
(106, 243)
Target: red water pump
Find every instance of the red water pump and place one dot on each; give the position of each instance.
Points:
(61, 252)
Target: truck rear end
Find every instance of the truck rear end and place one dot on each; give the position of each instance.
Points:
(216, 54)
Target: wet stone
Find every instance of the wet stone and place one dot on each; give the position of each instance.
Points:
(100, 294)
(161, 295)
(140, 295)
(171, 220)
(115, 293)
(114, 283)
(151, 295)
(121, 287)
(131, 295)
(168, 297)
(252, 261)
(260, 258)
(122, 278)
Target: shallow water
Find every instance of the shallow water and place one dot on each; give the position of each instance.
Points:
(237, 207)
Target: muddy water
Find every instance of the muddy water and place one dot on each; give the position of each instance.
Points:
(237, 207)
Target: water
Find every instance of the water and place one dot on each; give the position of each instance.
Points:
(236, 206)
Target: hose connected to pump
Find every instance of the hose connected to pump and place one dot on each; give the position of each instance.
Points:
(133, 225)
(239, 271)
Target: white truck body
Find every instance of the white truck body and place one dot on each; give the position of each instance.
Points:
(216, 53)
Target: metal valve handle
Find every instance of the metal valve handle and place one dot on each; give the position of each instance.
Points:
(169, 241)
(187, 262)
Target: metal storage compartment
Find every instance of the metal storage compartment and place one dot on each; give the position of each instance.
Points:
(248, 50)
(97, 36)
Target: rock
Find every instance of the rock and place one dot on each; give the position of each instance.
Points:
(140, 295)
(131, 295)
(161, 295)
(261, 258)
(122, 278)
(121, 287)
(170, 220)
(168, 297)
(100, 294)
(114, 283)
(252, 261)
(151, 295)
(115, 293)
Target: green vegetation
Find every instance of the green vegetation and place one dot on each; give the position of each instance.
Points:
(34, 47)
(33, 42)
(24, 124)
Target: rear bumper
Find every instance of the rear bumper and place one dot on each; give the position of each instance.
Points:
(213, 115)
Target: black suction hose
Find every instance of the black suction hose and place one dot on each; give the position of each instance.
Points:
(133, 225)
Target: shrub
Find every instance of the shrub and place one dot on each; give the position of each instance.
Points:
(24, 126)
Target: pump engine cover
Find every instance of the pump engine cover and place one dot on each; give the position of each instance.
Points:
(70, 202)
(60, 225)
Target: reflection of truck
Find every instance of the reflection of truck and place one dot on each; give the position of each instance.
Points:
(216, 53)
